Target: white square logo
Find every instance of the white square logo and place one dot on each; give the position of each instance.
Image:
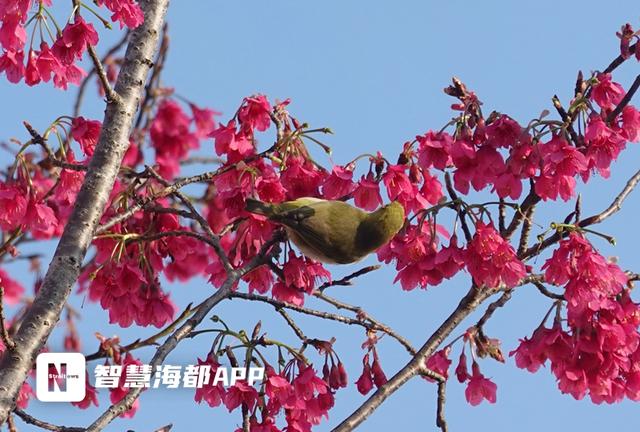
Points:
(60, 377)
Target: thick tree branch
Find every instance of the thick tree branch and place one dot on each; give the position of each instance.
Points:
(64, 269)
(467, 305)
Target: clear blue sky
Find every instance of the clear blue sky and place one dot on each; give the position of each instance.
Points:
(374, 73)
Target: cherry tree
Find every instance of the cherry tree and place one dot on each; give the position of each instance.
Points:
(111, 192)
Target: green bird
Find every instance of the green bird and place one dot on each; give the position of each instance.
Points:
(333, 231)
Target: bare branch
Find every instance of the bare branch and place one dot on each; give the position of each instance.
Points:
(625, 100)
(346, 281)
(613, 208)
(296, 329)
(368, 323)
(458, 208)
(43, 424)
(467, 305)
(83, 86)
(111, 95)
(4, 334)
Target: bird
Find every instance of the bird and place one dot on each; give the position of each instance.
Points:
(332, 232)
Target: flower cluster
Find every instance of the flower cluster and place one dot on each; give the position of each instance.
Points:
(57, 58)
(596, 355)
(297, 391)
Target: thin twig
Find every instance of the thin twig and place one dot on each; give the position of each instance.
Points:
(4, 334)
(625, 100)
(87, 79)
(441, 422)
(45, 425)
(543, 290)
(530, 200)
(458, 208)
(368, 323)
(296, 329)
(109, 92)
(613, 208)
(347, 280)
(214, 239)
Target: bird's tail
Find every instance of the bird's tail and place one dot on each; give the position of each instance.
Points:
(258, 207)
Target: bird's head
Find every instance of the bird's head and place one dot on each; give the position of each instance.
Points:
(391, 217)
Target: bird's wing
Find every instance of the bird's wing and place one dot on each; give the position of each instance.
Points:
(315, 224)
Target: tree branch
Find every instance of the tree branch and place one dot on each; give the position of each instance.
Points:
(4, 334)
(43, 424)
(64, 269)
(467, 305)
(613, 208)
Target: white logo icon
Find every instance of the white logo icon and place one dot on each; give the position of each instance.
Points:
(60, 377)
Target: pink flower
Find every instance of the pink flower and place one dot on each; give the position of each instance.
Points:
(255, 113)
(300, 276)
(155, 307)
(607, 93)
(211, 394)
(31, 73)
(13, 206)
(439, 362)
(25, 394)
(47, 63)
(503, 132)
(12, 32)
(188, 259)
(367, 193)
(259, 280)
(603, 145)
(450, 259)
(204, 119)
(631, 123)
(434, 150)
(12, 63)
(431, 189)
(269, 187)
(171, 137)
(126, 12)
(118, 393)
(462, 374)
(234, 144)
(508, 185)
(491, 260)
(74, 40)
(379, 378)
(68, 74)
(364, 383)
(86, 133)
(90, 397)
(13, 291)
(301, 178)
(480, 388)
(339, 183)
(524, 158)
(41, 220)
(240, 393)
(398, 183)
(278, 390)
(307, 384)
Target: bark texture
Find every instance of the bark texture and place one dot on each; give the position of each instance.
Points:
(64, 268)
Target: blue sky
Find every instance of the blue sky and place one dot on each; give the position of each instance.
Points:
(374, 72)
